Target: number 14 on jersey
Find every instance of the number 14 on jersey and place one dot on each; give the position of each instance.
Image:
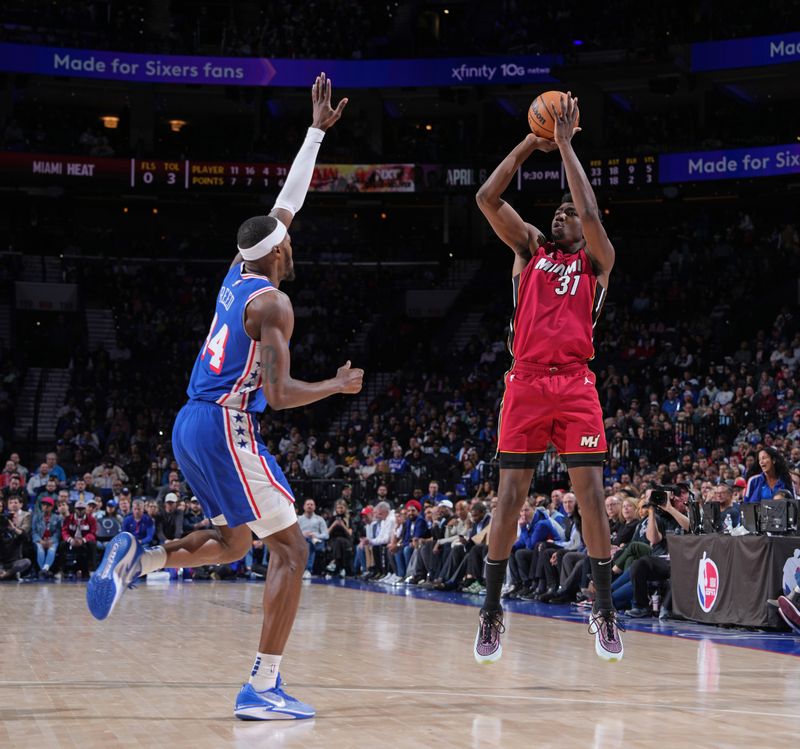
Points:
(215, 345)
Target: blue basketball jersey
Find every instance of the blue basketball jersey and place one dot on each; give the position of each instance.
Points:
(228, 367)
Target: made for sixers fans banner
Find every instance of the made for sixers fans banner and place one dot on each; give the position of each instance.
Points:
(747, 53)
(735, 163)
(261, 71)
(363, 178)
(727, 580)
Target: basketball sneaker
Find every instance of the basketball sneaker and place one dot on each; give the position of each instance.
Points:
(487, 642)
(120, 567)
(787, 607)
(605, 628)
(271, 704)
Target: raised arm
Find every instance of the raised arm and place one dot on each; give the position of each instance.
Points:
(293, 194)
(598, 245)
(506, 222)
(280, 388)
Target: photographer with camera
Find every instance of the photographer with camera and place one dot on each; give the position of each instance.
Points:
(15, 533)
(666, 516)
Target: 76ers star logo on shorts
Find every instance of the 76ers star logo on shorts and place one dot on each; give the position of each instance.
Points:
(707, 583)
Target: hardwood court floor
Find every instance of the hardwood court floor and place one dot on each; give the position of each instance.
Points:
(381, 670)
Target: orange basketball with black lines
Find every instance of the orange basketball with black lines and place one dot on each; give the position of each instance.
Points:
(540, 116)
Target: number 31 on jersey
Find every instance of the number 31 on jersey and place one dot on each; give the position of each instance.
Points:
(564, 282)
(215, 345)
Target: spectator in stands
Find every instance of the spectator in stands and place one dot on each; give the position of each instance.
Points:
(375, 543)
(173, 487)
(46, 531)
(139, 523)
(13, 487)
(630, 518)
(295, 472)
(314, 530)
(9, 470)
(340, 533)
(434, 496)
(62, 504)
(773, 476)
(360, 524)
(20, 520)
(454, 568)
(322, 466)
(79, 534)
(524, 533)
(730, 512)
(614, 512)
(21, 469)
(38, 481)
(105, 474)
(124, 504)
(443, 526)
(193, 518)
(169, 522)
(109, 524)
(51, 460)
(415, 528)
(398, 463)
(346, 496)
(80, 493)
(50, 489)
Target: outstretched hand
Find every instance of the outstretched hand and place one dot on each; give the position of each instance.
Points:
(324, 114)
(566, 117)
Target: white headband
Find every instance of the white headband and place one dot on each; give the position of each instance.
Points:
(266, 245)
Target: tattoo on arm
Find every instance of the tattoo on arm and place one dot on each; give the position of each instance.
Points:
(270, 357)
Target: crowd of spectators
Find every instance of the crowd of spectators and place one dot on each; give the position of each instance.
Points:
(347, 28)
(403, 492)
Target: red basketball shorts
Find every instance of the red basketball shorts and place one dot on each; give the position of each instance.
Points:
(550, 404)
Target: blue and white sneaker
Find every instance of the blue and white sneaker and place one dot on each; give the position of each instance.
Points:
(271, 704)
(120, 567)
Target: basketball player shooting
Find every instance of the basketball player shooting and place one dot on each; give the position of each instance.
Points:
(244, 365)
(559, 289)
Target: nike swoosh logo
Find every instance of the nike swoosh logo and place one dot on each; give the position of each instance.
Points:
(280, 702)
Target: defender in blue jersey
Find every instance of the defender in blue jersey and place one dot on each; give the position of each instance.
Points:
(244, 365)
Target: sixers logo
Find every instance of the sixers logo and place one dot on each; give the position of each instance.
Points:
(707, 583)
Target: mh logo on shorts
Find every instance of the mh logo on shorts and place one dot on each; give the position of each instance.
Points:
(707, 583)
(590, 440)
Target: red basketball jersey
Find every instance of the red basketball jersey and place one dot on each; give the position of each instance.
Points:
(557, 301)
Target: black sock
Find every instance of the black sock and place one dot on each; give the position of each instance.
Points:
(495, 575)
(601, 575)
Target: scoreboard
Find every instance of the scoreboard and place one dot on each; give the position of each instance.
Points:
(190, 175)
(623, 171)
(179, 175)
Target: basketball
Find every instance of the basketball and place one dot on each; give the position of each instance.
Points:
(540, 118)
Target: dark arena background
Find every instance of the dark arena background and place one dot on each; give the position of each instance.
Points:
(136, 137)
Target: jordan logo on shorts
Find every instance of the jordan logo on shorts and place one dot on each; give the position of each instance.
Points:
(587, 381)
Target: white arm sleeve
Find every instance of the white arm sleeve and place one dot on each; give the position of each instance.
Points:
(294, 190)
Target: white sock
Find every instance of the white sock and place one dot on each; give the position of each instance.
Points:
(153, 559)
(265, 671)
